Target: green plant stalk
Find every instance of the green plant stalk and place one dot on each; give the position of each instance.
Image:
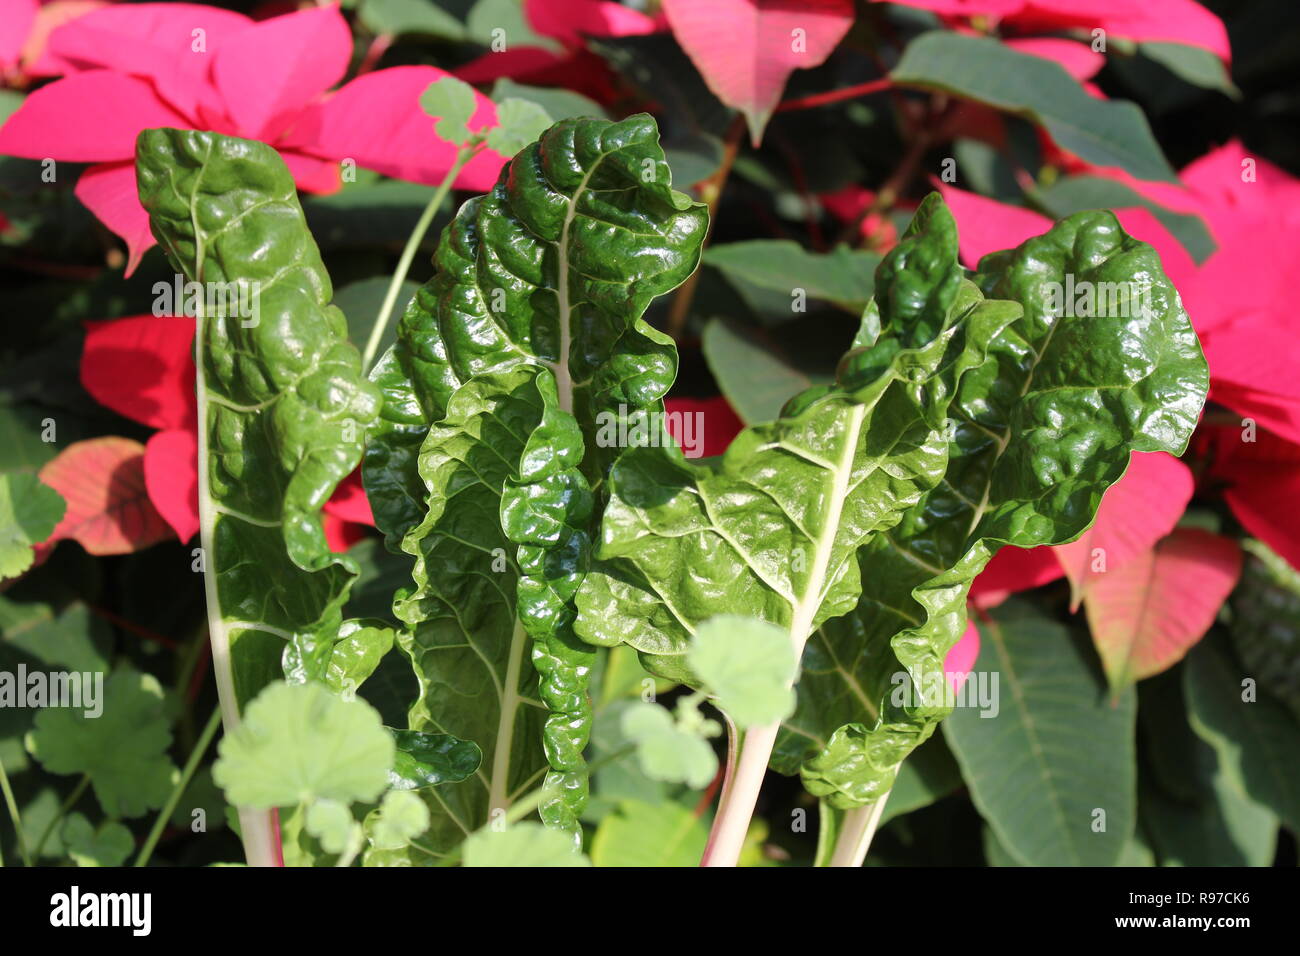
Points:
(12, 805)
(412, 246)
(855, 838)
(740, 794)
(68, 804)
(260, 833)
(187, 774)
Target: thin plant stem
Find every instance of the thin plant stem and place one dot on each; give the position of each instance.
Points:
(191, 765)
(408, 255)
(836, 96)
(68, 804)
(14, 816)
(855, 837)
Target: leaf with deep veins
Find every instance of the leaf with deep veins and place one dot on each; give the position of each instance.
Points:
(1041, 429)
(282, 404)
(486, 464)
(771, 529)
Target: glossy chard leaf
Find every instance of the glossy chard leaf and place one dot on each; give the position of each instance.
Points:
(1039, 431)
(486, 464)
(771, 529)
(282, 404)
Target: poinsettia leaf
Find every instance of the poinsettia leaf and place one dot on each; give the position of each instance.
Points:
(1135, 513)
(756, 381)
(171, 477)
(159, 350)
(1053, 769)
(766, 40)
(1146, 614)
(1102, 132)
(108, 507)
(842, 276)
(1186, 801)
(1256, 738)
(1266, 620)
(1196, 65)
(1072, 194)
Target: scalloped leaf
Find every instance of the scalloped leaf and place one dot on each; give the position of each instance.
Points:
(1039, 431)
(507, 362)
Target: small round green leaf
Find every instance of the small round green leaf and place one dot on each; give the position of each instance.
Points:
(451, 102)
(402, 817)
(749, 664)
(524, 844)
(521, 122)
(665, 751)
(330, 822)
(301, 743)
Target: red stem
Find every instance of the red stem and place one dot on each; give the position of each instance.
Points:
(836, 96)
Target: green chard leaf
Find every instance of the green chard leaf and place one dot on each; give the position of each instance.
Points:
(1038, 432)
(485, 465)
(282, 407)
(771, 528)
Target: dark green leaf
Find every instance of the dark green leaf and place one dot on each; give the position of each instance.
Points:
(282, 404)
(1053, 770)
(1039, 431)
(1079, 193)
(1194, 64)
(529, 335)
(756, 381)
(425, 760)
(1103, 132)
(1256, 738)
(842, 276)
